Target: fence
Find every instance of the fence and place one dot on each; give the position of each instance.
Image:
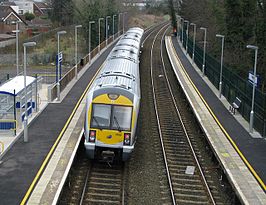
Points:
(233, 86)
(52, 90)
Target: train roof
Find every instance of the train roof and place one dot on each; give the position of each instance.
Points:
(121, 70)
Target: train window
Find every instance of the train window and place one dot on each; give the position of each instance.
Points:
(121, 117)
(101, 116)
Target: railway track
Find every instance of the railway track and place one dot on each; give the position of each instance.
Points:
(92, 182)
(190, 180)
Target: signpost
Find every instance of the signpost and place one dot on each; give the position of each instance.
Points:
(252, 79)
(59, 59)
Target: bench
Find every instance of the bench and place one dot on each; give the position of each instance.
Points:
(235, 105)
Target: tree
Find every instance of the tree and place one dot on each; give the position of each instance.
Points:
(172, 14)
(63, 12)
(29, 16)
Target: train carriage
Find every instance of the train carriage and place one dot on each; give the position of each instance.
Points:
(112, 103)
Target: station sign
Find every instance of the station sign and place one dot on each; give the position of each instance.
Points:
(59, 59)
(253, 79)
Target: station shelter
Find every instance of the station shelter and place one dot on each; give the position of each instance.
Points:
(13, 102)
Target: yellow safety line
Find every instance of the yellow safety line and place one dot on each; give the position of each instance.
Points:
(220, 125)
(3, 146)
(28, 193)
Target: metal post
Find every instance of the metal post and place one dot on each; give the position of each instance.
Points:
(17, 31)
(99, 23)
(182, 25)
(254, 85)
(114, 27)
(76, 50)
(91, 22)
(194, 41)
(36, 94)
(58, 72)
(25, 45)
(204, 50)
(187, 22)
(15, 113)
(221, 70)
(119, 19)
(124, 22)
(106, 29)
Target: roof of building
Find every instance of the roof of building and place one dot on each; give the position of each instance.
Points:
(17, 84)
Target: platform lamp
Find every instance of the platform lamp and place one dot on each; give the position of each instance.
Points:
(119, 22)
(25, 45)
(114, 27)
(91, 22)
(76, 49)
(99, 24)
(187, 22)
(106, 29)
(17, 38)
(182, 25)
(194, 40)
(221, 70)
(58, 72)
(124, 22)
(254, 85)
(204, 50)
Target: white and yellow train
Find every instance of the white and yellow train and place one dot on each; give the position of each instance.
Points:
(112, 104)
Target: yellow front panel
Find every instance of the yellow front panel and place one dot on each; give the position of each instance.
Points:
(121, 100)
(109, 136)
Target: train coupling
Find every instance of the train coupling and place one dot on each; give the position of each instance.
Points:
(108, 156)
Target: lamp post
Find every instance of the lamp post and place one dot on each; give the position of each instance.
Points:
(204, 50)
(124, 22)
(119, 19)
(114, 27)
(99, 23)
(58, 70)
(106, 29)
(221, 71)
(182, 25)
(25, 45)
(178, 26)
(194, 40)
(187, 22)
(91, 22)
(76, 49)
(254, 85)
(17, 36)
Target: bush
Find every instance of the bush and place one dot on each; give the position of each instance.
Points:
(29, 16)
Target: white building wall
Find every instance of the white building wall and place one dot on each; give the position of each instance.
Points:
(24, 6)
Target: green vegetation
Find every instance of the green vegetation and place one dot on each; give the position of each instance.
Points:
(29, 16)
(242, 22)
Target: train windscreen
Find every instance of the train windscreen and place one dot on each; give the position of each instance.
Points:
(112, 117)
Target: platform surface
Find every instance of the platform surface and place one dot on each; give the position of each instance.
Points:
(23, 160)
(252, 148)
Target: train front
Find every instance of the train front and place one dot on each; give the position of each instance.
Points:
(110, 124)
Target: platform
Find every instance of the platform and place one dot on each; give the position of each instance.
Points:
(241, 155)
(23, 161)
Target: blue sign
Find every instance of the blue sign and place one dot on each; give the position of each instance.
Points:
(59, 59)
(253, 79)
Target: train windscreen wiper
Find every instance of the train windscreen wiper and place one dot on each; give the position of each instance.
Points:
(117, 124)
(98, 124)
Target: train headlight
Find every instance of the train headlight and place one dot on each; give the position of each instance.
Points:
(92, 136)
(127, 139)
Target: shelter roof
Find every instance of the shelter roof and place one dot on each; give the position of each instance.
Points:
(17, 84)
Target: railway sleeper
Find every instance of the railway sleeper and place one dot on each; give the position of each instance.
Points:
(102, 201)
(192, 197)
(182, 201)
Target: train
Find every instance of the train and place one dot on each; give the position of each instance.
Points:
(113, 102)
